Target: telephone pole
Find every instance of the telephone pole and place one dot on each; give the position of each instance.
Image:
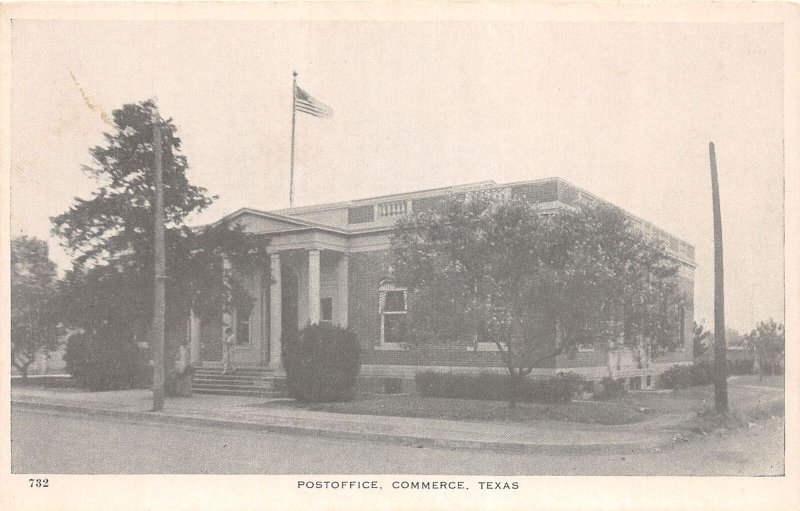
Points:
(720, 360)
(160, 270)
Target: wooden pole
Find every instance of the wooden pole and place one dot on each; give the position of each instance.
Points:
(720, 362)
(294, 114)
(160, 270)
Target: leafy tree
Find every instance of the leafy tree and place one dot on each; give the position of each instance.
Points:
(33, 282)
(110, 235)
(733, 337)
(700, 341)
(535, 286)
(768, 343)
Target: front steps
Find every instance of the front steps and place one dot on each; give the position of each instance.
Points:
(243, 381)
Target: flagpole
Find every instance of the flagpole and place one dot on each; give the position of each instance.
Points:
(291, 164)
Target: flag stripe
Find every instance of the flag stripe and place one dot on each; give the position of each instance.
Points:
(315, 106)
(313, 110)
(306, 103)
(315, 113)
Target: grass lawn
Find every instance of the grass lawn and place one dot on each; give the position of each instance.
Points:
(745, 395)
(749, 400)
(476, 410)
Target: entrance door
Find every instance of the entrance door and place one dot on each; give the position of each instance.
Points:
(211, 337)
(289, 306)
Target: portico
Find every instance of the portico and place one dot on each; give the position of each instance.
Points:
(308, 286)
(306, 282)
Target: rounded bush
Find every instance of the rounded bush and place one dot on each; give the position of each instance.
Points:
(611, 389)
(321, 363)
(106, 361)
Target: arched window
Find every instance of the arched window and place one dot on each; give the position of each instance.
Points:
(393, 310)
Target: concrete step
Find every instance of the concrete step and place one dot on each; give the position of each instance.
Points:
(244, 381)
(234, 385)
(238, 370)
(238, 377)
(224, 392)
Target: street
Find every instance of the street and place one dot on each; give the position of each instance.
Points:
(51, 442)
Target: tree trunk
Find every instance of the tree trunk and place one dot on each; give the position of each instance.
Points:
(513, 388)
(720, 362)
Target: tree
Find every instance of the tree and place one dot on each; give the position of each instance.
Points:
(33, 282)
(700, 339)
(768, 343)
(535, 286)
(110, 234)
(733, 337)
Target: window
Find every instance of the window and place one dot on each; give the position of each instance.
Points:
(242, 328)
(326, 309)
(393, 309)
(682, 326)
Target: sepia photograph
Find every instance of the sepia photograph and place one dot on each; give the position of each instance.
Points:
(360, 248)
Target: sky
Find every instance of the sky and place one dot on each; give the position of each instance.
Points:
(624, 110)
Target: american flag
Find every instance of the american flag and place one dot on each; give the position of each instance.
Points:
(306, 103)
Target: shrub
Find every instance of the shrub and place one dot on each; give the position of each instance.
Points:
(676, 377)
(611, 389)
(683, 376)
(322, 363)
(701, 372)
(740, 366)
(495, 387)
(107, 360)
(771, 367)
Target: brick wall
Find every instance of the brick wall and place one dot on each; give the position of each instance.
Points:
(598, 357)
(366, 269)
(457, 356)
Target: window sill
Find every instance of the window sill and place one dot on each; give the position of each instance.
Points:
(585, 350)
(483, 346)
(391, 346)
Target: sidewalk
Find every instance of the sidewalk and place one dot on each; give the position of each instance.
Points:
(244, 413)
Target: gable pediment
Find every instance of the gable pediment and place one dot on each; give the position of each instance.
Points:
(260, 223)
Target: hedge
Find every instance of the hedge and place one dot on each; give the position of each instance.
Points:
(701, 373)
(611, 389)
(496, 387)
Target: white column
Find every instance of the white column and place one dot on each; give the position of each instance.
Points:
(194, 339)
(340, 308)
(228, 328)
(275, 292)
(313, 285)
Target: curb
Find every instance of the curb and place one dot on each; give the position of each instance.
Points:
(407, 440)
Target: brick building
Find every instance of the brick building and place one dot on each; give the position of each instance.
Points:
(330, 263)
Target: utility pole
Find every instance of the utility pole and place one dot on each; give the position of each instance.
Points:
(720, 361)
(160, 270)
